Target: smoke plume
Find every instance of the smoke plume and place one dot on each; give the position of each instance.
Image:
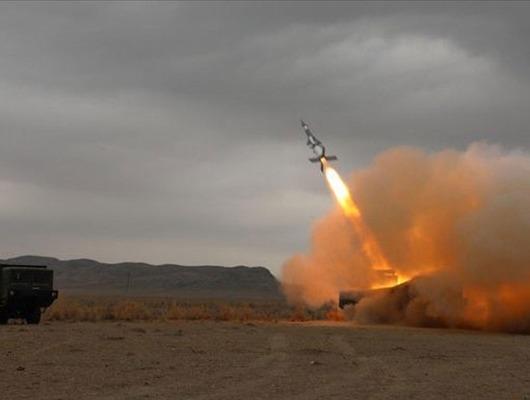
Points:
(456, 221)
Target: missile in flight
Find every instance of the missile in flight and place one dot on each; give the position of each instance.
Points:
(317, 147)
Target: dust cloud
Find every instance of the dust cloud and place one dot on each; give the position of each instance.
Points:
(454, 223)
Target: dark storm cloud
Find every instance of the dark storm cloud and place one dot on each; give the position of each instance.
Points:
(169, 131)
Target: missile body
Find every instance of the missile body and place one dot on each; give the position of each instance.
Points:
(317, 147)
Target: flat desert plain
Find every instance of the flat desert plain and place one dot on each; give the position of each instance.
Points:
(228, 360)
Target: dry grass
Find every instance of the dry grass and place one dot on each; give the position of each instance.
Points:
(94, 308)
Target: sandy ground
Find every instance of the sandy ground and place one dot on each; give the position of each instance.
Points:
(214, 360)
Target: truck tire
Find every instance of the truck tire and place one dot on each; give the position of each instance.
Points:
(33, 316)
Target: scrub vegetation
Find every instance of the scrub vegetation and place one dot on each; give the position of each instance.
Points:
(106, 308)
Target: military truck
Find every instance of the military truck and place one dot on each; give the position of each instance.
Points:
(25, 290)
(402, 295)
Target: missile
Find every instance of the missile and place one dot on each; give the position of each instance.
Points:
(319, 150)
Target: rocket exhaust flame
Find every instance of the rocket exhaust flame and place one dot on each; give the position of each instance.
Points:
(369, 244)
(341, 191)
(456, 222)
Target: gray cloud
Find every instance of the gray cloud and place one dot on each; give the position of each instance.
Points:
(168, 132)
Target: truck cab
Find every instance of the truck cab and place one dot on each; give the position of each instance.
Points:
(25, 290)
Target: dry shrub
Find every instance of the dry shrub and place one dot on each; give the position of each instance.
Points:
(187, 312)
(237, 313)
(66, 309)
(226, 313)
(176, 312)
(220, 311)
(299, 314)
(94, 309)
(131, 311)
(335, 314)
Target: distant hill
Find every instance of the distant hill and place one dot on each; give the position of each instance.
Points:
(89, 276)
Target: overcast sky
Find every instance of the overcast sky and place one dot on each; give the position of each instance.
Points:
(169, 132)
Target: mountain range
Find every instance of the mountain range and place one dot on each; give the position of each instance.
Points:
(133, 278)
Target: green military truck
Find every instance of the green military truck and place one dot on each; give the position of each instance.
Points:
(25, 290)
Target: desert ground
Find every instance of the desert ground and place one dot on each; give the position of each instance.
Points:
(258, 360)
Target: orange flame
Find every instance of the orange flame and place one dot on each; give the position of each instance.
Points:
(370, 246)
(341, 192)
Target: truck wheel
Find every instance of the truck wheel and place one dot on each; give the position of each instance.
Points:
(33, 316)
